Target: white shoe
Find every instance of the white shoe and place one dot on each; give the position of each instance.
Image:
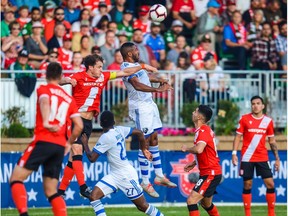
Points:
(148, 188)
(164, 182)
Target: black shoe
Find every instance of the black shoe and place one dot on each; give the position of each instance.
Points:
(85, 192)
(62, 193)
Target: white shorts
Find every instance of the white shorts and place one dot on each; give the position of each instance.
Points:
(146, 118)
(130, 187)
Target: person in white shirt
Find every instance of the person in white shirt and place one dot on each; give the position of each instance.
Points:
(122, 174)
(145, 114)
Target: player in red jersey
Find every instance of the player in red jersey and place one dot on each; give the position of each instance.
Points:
(54, 107)
(208, 163)
(87, 89)
(255, 127)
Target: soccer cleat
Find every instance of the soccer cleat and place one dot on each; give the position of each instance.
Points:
(164, 182)
(148, 188)
(86, 192)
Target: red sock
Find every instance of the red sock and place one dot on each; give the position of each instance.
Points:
(194, 213)
(19, 196)
(67, 176)
(213, 211)
(193, 210)
(58, 205)
(247, 198)
(271, 200)
(78, 169)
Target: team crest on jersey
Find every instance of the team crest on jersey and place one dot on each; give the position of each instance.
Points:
(144, 130)
(250, 122)
(185, 186)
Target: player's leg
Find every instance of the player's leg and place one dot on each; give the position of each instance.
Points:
(208, 205)
(192, 203)
(145, 207)
(247, 171)
(68, 174)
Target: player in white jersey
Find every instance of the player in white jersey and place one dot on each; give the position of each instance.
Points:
(122, 174)
(144, 112)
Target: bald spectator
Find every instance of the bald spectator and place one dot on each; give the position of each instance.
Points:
(8, 18)
(57, 40)
(171, 34)
(108, 49)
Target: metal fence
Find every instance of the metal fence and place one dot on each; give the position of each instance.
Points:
(236, 86)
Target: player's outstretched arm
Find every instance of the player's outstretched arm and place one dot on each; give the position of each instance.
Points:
(131, 70)
(274, 149)
(92, 156)
(68, 80)
(157, 78)
(236, 143)
(196, 149)
(145, 88)
(143, 145)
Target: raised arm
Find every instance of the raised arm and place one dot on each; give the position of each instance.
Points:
(274, 149)
(92, 156)
(145, 88)
(131, 70)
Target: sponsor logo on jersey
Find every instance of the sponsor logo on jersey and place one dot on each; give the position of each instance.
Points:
(145, 130)
(256, 130)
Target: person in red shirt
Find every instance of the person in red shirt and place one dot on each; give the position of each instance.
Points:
(255, 127)
(52, 57)
(64, 52)
(54, 108)
(87, 89)
(143, 22)
(208, 163)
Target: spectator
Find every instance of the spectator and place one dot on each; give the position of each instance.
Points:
(29, 3)
(116, 12)
(173, 54)
(275, 29)
(200, 7)
(93, 6)
(58, 18)
(112, 26)
(248, 15)
(23, 16)
(273, 12)
(21, 64)
(8, 18)
(102, 12)
(71, 13)
(12, 44)
(99, 31)
(64, 52)
(35, 17)
(156, 42)
(143, 22)
(209, 23)
(126, 24)
(117, 61)
(48, 13)
(171, 34)
(226, 16)
(145, 52)
(108, 49)
(36, 46)
(84, 31)
(96, 50)
(122, 37)
(254, 28)
(76, 64)
(84, 15)
(85, 48)
(281, 43)
(52, 57)
(7, 5)
(57, 40)
(235, 40)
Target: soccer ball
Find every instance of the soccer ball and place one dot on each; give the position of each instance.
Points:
(158, 13)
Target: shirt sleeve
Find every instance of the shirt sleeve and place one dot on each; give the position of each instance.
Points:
(227, 33)
(270, 129)
(102, 145)
(240, 128)
(126, 131)
(73, 110)
(42, 92)
(203, 136)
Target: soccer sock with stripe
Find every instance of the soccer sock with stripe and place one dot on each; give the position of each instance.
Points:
(19, 196)
(98, 208)
(77, 165)
(193, 210)
(156, 160)
(247, 198)
(152, 211)
(58, 205)
(67, 176)
(271, 200)
(212, 210)
(144, 167)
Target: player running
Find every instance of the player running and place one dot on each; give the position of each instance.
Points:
(208, 163)
(122, 174)
(54, 106)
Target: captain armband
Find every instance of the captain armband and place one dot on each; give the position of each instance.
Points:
(113, 75)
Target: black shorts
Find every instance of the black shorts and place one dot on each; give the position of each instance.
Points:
(206, 185)
(87, 129)
(263, 169)
(49, 155)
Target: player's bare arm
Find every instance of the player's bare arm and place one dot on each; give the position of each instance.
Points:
(91, 155)
(274, 149)
(143, 145)
(77, 128)
(190, 166)
(68, 80)
(145, 88)
(131, 70)
(45, 113)
(236, 143)
(196, 149)
(157, 78)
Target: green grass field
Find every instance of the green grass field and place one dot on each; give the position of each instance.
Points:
(167, 211)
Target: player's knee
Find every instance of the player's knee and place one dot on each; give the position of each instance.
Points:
(95, 195)
(270, 184)
(205, 204)
(49, 191)
(247, 185)
(191, 200)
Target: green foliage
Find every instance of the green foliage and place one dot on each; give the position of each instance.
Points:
(186, 113)
(14, 115)
(227, 117)
(162, 110)
(120, 112)
(17, 130)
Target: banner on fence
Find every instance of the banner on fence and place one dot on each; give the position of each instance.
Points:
(173, 163)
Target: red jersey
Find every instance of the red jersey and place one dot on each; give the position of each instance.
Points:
(87, 92)
(64, 56)
(208, 160)
(145, 27)
(92, 4)
(183, 6)
(62, 107)
(198, 55)
(254, 132)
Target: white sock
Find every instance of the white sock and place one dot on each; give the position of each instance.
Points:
(144, 167)
(156, 160)
(98, 208)
(152, 211)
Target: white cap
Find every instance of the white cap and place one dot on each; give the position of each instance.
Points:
(177, 23)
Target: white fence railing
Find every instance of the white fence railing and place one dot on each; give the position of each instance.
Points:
(268, 84)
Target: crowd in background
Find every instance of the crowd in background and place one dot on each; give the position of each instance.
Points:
(195, 35)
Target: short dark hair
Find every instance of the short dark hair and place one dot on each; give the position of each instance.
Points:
(53, 71)
(125, 48)
(91, 60)
(35, 9)
(107, 119)
(266, 23)
(257, 97)
(12, 24)
(83, 37)
(281, 24)
(206, 111)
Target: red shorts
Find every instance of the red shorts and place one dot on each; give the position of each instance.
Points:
(206, 185)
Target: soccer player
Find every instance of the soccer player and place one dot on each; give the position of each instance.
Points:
(87, 89)
(208, 163)
(122, 174)
(49, 144)
(144, 112)
(255, 127)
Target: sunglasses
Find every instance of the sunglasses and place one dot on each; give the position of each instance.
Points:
(53, 56)
(60, 14)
